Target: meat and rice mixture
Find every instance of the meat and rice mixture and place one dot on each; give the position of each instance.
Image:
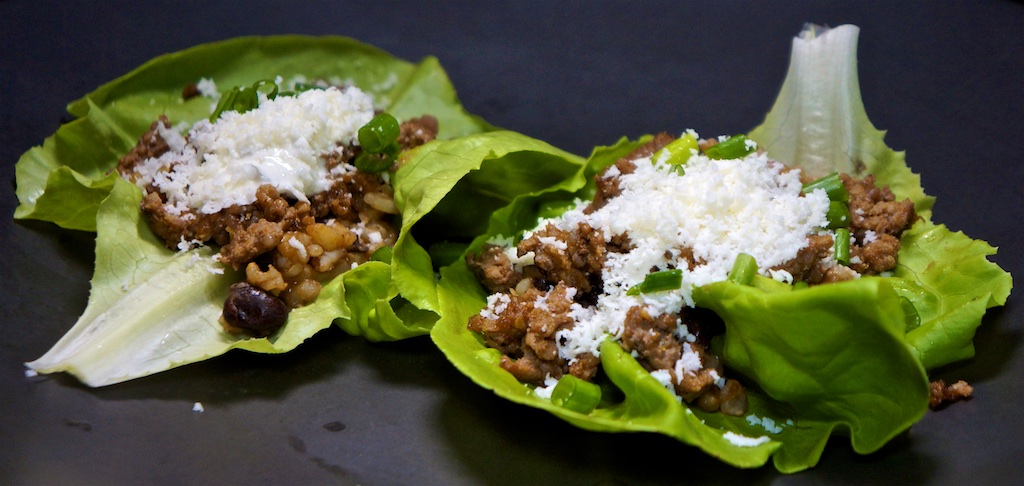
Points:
(276, 189)
(559, 291)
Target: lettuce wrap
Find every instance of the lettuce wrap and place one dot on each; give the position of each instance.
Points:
(849, 358)
(151, 309)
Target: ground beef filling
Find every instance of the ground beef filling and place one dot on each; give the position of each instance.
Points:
(287, 248)
(566, 270)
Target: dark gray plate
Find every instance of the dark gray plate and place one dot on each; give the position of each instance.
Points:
(946, 79)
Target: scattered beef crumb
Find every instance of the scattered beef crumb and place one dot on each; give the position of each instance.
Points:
(941, 394)
(190, 91)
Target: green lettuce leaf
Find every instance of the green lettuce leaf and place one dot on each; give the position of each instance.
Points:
(951, 283)
(460, 184)
(109, 120)
(829, 360)
(151, 309)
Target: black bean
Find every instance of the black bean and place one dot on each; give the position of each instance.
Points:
(254, 310)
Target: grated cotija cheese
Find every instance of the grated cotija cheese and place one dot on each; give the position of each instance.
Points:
(718, 208)
(282, 143)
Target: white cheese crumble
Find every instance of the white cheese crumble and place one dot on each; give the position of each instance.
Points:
(198, 407)
(870, 237)
(688, 363)
(717, 208)
(549, 386)
(768, 424)
(744, 441)
(208, 88)
(282, 143)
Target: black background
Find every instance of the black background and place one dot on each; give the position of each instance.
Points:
(946, 79)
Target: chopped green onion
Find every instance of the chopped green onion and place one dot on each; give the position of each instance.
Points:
(244, 98)
(677, 152)
(735, 147)
(832, 185)
(373, 163)
(300, 87)
(553, 209)
(911, 317)
(379, 134)
(838, 215)
(225, 104)
(575, 394)
(658, 282)
(267, 87)
(842, 246)
(743, 269)
(379, 140)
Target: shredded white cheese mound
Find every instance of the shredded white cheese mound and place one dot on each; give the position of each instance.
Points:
(282, 142)
(717, 208)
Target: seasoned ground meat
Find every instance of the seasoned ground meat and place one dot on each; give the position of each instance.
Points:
(875, 257)
(525, 334)
(652, 338)
(286, 246)
(941, 394)
(150, 144)
(877, 221)
(655, 342)
(417, 131)
(809, 265)
(575, 260)
(875, 209)
(493, 269)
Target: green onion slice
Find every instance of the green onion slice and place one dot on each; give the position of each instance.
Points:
(575, 394)
(842, 246)
(677, 152)
(743, 269)
(373, 163)
(244, 98)
(380, 135)
(838, 215)
(735, 147)
(658, 282)
(832, 185)
(266, 86)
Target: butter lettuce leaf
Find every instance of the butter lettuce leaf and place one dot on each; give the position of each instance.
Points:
(950, 281)
(109, 120)
(150, 308)
(848, 359)
(450, 190)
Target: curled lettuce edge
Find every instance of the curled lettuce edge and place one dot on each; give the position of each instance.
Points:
(813, 365)
(151, 309)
